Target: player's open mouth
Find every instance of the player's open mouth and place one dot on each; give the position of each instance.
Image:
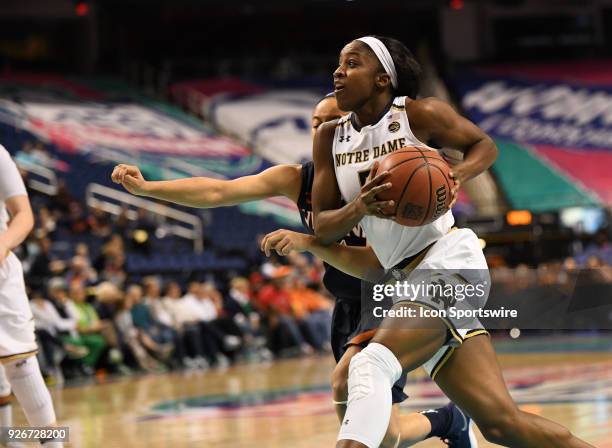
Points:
(338, 88)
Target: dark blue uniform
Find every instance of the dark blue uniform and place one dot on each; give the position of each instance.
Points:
(351, 324)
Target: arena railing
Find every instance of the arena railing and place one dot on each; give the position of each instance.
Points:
(45, 180)
(180, 223)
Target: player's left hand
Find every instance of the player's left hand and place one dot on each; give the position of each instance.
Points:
(284, 241)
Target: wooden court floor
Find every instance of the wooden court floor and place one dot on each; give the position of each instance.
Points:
(288, 403)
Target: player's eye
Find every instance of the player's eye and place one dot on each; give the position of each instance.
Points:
(351, 63)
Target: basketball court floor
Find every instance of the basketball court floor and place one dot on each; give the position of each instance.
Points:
(287, 403)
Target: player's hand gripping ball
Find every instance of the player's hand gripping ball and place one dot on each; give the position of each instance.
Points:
(421, 185)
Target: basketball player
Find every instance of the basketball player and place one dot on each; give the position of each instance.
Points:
(349, 333)
(377, 79)
(19, 370)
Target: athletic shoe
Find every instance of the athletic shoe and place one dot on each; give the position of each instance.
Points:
(460, 432)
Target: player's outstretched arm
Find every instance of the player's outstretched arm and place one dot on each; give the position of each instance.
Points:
(205, 192)
(360, 262)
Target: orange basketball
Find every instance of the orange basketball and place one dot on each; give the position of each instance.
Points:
(421, 185)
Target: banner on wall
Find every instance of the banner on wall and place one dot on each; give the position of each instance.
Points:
(276, 124)
(567, 124)
(78, 119)
(542, 113)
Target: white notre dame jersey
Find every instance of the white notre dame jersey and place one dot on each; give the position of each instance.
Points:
(11, 184)
(16, 322)
(354, 153)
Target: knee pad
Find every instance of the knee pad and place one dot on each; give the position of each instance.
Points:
(372, 372)
(373, 363)
(30, 390)
(5, 387)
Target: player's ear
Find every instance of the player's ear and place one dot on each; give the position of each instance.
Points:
(382, 80)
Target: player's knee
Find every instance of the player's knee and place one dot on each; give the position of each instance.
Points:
(500, 426)
(375, 360)
(30, 390)
(339, 381)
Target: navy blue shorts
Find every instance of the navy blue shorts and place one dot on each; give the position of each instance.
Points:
(350, 327)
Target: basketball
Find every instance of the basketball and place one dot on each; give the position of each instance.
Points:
(421, 185)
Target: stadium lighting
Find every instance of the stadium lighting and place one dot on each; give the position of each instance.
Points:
(456, 4)
(519, 217)
(81, 8)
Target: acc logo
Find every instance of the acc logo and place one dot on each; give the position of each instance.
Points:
(394, 127)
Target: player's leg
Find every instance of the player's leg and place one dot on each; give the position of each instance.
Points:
(339, 380)
(340, 396)
(29, 388)
(6, 410)
(18, 351)
(398, 345)
(472, 378)
(409, 429)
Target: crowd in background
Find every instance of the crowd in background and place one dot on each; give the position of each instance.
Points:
(92, 316)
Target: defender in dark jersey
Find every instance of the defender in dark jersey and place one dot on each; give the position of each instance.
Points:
(352, 327)
(349, 325)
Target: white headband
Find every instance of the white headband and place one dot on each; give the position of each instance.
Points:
(383, 56)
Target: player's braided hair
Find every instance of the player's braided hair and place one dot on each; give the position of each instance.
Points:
(407, 67)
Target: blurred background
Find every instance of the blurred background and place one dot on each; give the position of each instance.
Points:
(226, 89)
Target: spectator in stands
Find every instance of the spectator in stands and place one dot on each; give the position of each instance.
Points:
(121, 225)
(201, 350)
(105, 298)
(137, 342)
(203, 310)
(313, 313)
(75, 220)
(63, 199)
(58, 296)
(239, 305)
(304, 269)
(43, 266)
(213, 312)
(92, 330)
(99, 222)
(80, 272)
(82, 250)
(113, 248)
(275, 304)
(49, 325)
(46, 221)
(97, 334)
(145, 321)
(162, 315)
(114, 270)
(152, 297)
